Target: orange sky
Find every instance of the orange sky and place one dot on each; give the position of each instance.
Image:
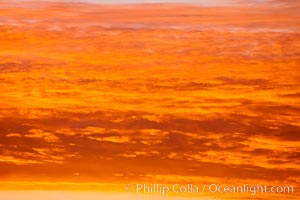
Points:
(114, 94)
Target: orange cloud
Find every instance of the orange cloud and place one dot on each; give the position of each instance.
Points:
(99, 94)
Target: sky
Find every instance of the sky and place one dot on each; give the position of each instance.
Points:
(197, 2)
(205, 2)
(94, 97)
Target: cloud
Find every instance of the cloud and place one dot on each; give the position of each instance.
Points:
(98, 93)
(38, 133)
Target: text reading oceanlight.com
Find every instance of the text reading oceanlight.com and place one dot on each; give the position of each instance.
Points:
(164, 189)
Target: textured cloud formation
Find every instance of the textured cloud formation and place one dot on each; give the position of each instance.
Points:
(118, 94)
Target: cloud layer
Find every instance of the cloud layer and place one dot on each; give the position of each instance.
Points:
(149, 93)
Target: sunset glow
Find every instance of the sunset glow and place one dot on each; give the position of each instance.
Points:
(96, 96)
